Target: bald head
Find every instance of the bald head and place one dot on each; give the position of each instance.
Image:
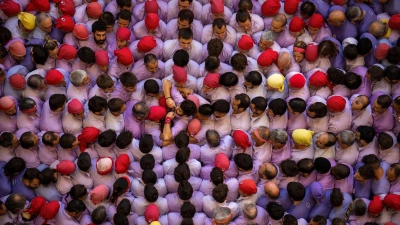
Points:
(271, 189)
(336, 18)
(278, 23)
(284, 60)
(378, 29)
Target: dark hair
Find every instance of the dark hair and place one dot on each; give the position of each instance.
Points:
(115, 104)
(149, 177)
(76, 206)
(370, 159)
(364, 46)
(47, 176)
(376, 73)
(107, 18)
(239, 62)
(107, 138)
(124, 207)
(26, 103)
(341, 171)
(366, 171)
(211, 63)
(228, 79)
(188, 210)
(205, 110)
(327, 48)
(35, 81)
(148, 58)
(26, 140)
(39, 55)
(120, 186)
(147, 162)
(124, 3)
(242, 16)
(215, 47)
(335, 75)
(185, 33)
(15, 202)
(359, 207)
(216, 176)
(305, 165)
(297, 105)
(277, 106)
(245, 5)
(97, 104)
(14, 166)
(146, 143)
(244, 100)
(84, 161)
(219, 23)
(104, 81)
(392, 72)
(31, 174)
(125, 15)
(86, 55)
(296, 191)
(182, 155)
(289, 168)
(99, 215)
(221, 106)
(260, 103)
(350, 52)
(254, 77)
(185, 190)
(352, 81)
(124, 139)
(181, 172)
(128, 79)
(151, 86)
(5, 35)
(320, 220)
(367, 133)
(150, 193)
(385, 140)
(393, 55)
(336, 197)
(243, 161)
(322, 165)
(181, 58)
(186, 15)
(49, 137)
(220, 192)
(182, 139)
(6, 139)
(120, 219)
(188, 107)
(384, 101)
(319, 109)
(275, 210)
(307, 8)
(57, 101)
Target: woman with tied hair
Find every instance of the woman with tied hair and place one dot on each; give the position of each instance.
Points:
(121, 191)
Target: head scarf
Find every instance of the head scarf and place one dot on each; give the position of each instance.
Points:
(122, 163)
(147, 43)
(381, 51)
(6, 103)
(10, 8)
(94, 10)
(151, 21)
(270, 8)
(277, 81)
(318, 79)
(151, 6)
(217, 6)
(179, 74)
(316, 21)
(267, 57)
(49, 210)
(394, 22)
(297, 81)
(66, 167)
(36, 205)
(88, 135)
(302, 136)
(157, 113)
(27, 19)
(39, 5)
(98, 194)
(80, 31)
(66, 6)
(241, 139)
(75, 106)
(194, 127)
(124, 56)
(336, 103)
(311, 52)
(375, 205)
(65, 23)
(212, 80)
(17, 48)
(221, 161)
(123, 33)
(248, 187)
(392, 201)
(296, 24)
(53, 77)
(245, 42)
(291, 6)
(194, 99)
(17, 81)
(67, 52)
(101, 58)
(104, 165)
(317, 191)
(151, 213)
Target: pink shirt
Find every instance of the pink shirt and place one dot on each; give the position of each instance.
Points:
(131, 124)
(96, 91)
(80, 177)
(80, 93)
(117, 69)
(141, 72)
(208, 34)
(361, 117)
(365, 88)
(30, 156)
(29, 122)
(348, 155)
(49, 120)
(208, 18)
(47, 154)
(278, 155)
(137, 154)
(296, 121)
(191, 68)
(339, 121)
(6, 153)
(278, 121)
(284, 39)
(171, 46)
(261, 218)
(173, 9)
(208, 153)
(8, 123)
(298, 154)
(370, 148)
(63, 218)
(263, 153)
(175, 203)
(257, 24)
(390, 155)
(241, 121)
(172, 30)
(137, 187)
(140, 30)
(120, 92)
(93, 120)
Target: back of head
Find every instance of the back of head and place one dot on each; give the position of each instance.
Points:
(359, 207)
(181, 58)
(185, 190)
(149, 177)
(336, 197)
(249, 210)
(319, 220)
(182, 155)
(147, 162)
(278, 106)
(150, 193)
(188, 210)
(298, 105)
(76, 206)
(220, 192)
(15, 203)
(222, 213)
(216, 176)
(275, 210)
(146, 143)
(84, 161)
(364, 46)
(243, 161)
(305, 165)
(107, 138)
(289, 168)
(336, 76)
(124, 139)
(124, 207)
(120, 219)
(213, 138)
(350, 52)
(367, 133)
(99, 215)
(385, 140)
(322, 165)
(14, 166)
(296, 191)
(97, 104)
(182, 172)
(353, 81)
(182, 139)
(289, 220)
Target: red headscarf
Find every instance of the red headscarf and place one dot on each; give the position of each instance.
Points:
(101, 58)
(39, 5)
(146, 44)
(88, 135)
(65, 23)
(151, 6)
(245, 42)
(67, 52)
(157, 113)
(179, 74)
(152, 21)
(10, 8)
(316, 21)
(296, 24)
(270, 8)
(267, 57)
(123, 33)
(212, 80)
(241, 139)
(124, 56)
(311, 52)
(336, 103)
(318, 79)
(53, 77)
(291, 6)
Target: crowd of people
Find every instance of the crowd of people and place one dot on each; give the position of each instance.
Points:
(200, 112)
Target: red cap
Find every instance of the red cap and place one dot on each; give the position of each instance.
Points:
(296, 24)
(65, 23)
(316, 21)
(392, 201)
(17, 48)
(65, 167)
(394, 22)
(39, 5)
(151, 6)
(157, 113)
(194, 127)
(104, 165)
(94, 10)
(101, 58)
(336, 103)
(151, 213)
(270, 8)
(151, 21)
(66, 6)
(375, 205)
(123, 33)
(146, 44)
(75, 106)
(163, 102)
(212, 80)
(297, 81)
(6, 103)
(311, 52)
(36, 204)
(194, 99)
(381, 51)
(67, 52)
(291, 6)
(17, 81)
(53, 77)
(245, 42)
(99, 193)
(88, 135)
(318, 79)
(124, 56)
(241, 139)
(10, 8)
(338, 2)
(267, 57)
(50, 210)
(122, 163)
(179, 74)
(217, 6)
(80, 31)
(221, 161)
(248, 187)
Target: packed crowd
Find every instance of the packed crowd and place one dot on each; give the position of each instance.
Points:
(200, 112)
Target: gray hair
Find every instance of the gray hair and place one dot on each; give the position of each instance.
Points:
(222, 213)
(40, 17)
(377, 28)
(284, 57)
(249, 210)
(348, 137)
(99, 215)
(353, 13)
(77, 76)
(213, 138)
(140, 109)
(15, 202)
(278, 135)
(264, 132)
(268, 35)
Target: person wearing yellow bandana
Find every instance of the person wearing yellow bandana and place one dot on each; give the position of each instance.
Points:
(302, 144)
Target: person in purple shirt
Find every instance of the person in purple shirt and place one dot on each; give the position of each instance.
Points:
(391, 6)
(382, 112)
(393, 176)
(340, 202)
(331, 48)
(322, 202)
(361, 15)
(14, 167)
(274, 194)
(380, 185)
(366, 47)
(251, 213)
(275, 212)
(362, 181)
(341, 27)
(323, 167)
(302, 201)
(134, 117)
(25, 182)
(344, 177)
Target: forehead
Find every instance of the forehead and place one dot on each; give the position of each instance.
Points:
(323, 137)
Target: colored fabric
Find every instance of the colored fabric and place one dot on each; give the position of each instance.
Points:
(75, 106)
(17, 81)
(317, 191)
(221, 161)
(80, 31)
(276, 81)
(156, 113)
(65, 23)
(98, 194)
(194, 127)
(375, 205)
(394, 22)
(318, 79)
(66, 6)
(381, 51)
(248, 187)
(146, 44)
(338, 2)
(27, 19)
(212, 80)
(53, 77)
(245, 42)
(151, 21)
(217, 6)
(194, 99)
(123, 34)
(296, 24)
(124, 56)
(66, 167)
(39, 5)
(336, 103)
(50, 210)
(267, 57)
(302, 136)
(291, 6)
(10, 8)
(94, 10)
(6, 103)
(270, 8)
(311, 52)
(36, 205)
(297, 49)
(104, 165)
(316, 21)
(241, 139)
(122, 163)
(179, 74)
(67, 52)
(151, 213)
(297, 81)
(17, 48)
(151, 6)
(392, 201)
(101, 58)
(88, 135)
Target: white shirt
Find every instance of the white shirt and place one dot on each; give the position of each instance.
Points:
(115, 123)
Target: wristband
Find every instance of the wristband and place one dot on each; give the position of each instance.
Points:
(167, 97)
(167, 120)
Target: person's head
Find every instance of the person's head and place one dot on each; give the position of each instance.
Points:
(124, 5)
(243, 19)
(5, 35)
(147, 162)
(340, 171)
(336, 76)
(57, 102)
(69, 141)
(360, 103)
(188, 210)
(393, 56)
(371, 160)
(99, 215)
(109, 20)
(239, 62)
(211, 63)
(296, 191)
(150, 193)
(124, 207)
(228, 80)
(3, 208)
(52, 48)
(14, 166)
(317, 110)
(146, 143)
(268, 171)
(284, 60)
(364, 173)
(296, 106)
(276, 107)
(213, 138)
(105, 83)
(182, 139)
(97, 105)
(50, 138)
(378, 28)
(307, 9)
(345, 139)
(260, 135)
(220, 192)
(79, 78)
(185, 38)
(359, 207)
(28, 140)
(381, 104)
(243, 161)
(392, 74)
(107, 138)
(151, 63)
(140, 111)
(124, 17)
(186, 108)
(336, 18)
(36, 82)
(249, 210)
(185, 18)
(49, 176)
(336, 197)
(272, 190)
(385, 140)
(216, 176)
(258, 106)
(299, 50)
(87, 55)
(116, 106)
(17, 50)
(325, 140)
(267, 39)
(182, 155)
(75, 208)
(220, 108)
(31, 178)
(185, 190)
(15, 202)
(246, 5)
(44, 22)
(120, 186)
(219, 28)
(318, 220)
(240, 103)
(28, 106)
(305, 166)
(222, 216)
(128, 81)
(289, 168)
(374, 73)
(364, 46)
(181, 172)
(84, 162)
(278, 138)
(396, 105)
(39, 55)
(322, 165)
(350, 52)
(327, 48)
(278, 23)
(181, 58)
(393, 173)
(215, 47)
(8, 140)
(275, 210)
(204, 112)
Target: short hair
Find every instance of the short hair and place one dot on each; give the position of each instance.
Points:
(104, 81)
(115, 104)
(359, 207)
(322, 165)
(26, 103)
(185, 33)
(39, 55)
(297, 105)
(385, 140)
(205, 109)
(182, 155)
(376, 73)
(57, 101)
(320, 220)
(107, 138)
(128, 79)
(347, 137)
(338, 221)
(188, 107)
(148, 58)
(336, 197)
(84, 161)
(364, 46)
(246, 5)
(219, 23)
(5, 35)
(327, 48)
(125, 15)
(352, 81)
(97, 104)
(186, 15)
(289, 168)
(366, 172)
(6, 139)
(393, 55)
(244, 100)
(211, 63)
(47, 177)
(185, 190)
(99, 214)
(296, 191)
(150, 193)
(353, 13)
(124, 3)
(367, 133)
(249, 209)
(229, 79)
(370, 159)
(243, 161)
(278, 135)
(77, 76)
(107, 18)
(147, 162)
(140, 109)
(239, 62)
(86, 55)
(384, 101)
(180, 58)
(242, 16)
(319, 109)
(275, 210)
(120, 219)
(15, 202)
(124, 207)
(181, 172)
(119, 187)
(216, 176)
(213, 138)
(289, 219)
(49, 137)
(215, 47)
(66, 140)
(396, 168)
(260, 103)
(146, 143)
(306, 165)
(14, 166)
(341, 171)
(336, 76)
(221, 213)
(76, 206)
(151, 86)
(188, 210)
(221, 106)
(182, 139)
(277, 106)
(99, 25)
(220, 192)
(307, 8)
(78, 191)
(350, 52)
(26, 140)
(254, 77)
(392, 72)
(268, 35)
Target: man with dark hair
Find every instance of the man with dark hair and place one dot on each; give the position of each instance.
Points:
(258, 106)
(365, 137)
(114, 118)
(215, 47)
(71, 211)
(240, 117)
(222, 118)
(25, 182)
(11, 208)
(298, 119)
(302, 201)
(125, 87)
(361, 109)
(318, 220)
(185, 41)
(95, 117)
(277, 113)
(317, 114)
(219, 29)
(218, 199)
(253, 84)
(177, 5)
(29, 115)
(8, 142)
(28, 149)
(185, 19)
(134, 116)
(275, 212)
(246, 23)
(48, 152)
(98, 39)
(148, 67)
(181, 59)
(50, 117)
(382, 112)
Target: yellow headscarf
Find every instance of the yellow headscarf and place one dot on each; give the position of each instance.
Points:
(155, 223)
(277, 81)
(302, 136)
(389, 32)
(27, 19)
